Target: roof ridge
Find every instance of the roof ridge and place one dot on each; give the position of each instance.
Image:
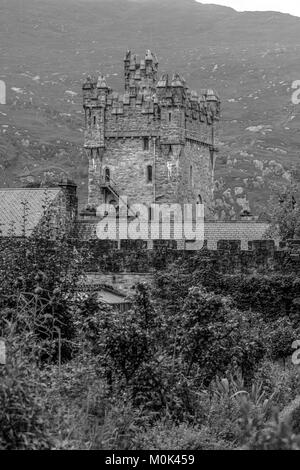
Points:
(31, 189)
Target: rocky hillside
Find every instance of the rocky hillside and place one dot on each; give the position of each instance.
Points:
(48, 46)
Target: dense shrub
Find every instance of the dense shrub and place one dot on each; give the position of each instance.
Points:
(37, 291)
(199, 362)
(24, 418)
(273, 295)
(167, 436)
(275, 436)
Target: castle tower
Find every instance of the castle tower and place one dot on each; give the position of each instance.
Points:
(156, 142)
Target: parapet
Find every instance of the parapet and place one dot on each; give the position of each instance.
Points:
(144, 89)
(139, 256)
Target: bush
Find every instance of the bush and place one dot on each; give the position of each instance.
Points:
(164, 435)
(24, 419)
(275, 436)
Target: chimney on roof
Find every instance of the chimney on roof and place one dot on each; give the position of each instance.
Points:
(246, 215)
(69, 189)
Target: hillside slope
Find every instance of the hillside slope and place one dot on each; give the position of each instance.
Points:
(48, 46)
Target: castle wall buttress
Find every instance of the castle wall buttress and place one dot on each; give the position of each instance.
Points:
(199, 174)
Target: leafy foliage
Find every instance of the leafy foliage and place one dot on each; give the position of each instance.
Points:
(23, 415)
(188, 367)
(285, 212)
(37, 291)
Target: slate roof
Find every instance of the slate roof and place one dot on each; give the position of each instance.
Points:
(111, 296)
(12, 208)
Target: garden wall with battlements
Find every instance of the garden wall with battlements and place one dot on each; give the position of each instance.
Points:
(134, 256)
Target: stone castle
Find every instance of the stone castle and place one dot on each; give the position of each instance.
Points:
(154, 143)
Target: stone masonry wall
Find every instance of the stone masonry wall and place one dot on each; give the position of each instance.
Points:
(127, 161)
(134, 256)
(199, 174)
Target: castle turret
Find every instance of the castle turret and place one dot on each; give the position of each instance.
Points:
(142, 73)
(101, 84)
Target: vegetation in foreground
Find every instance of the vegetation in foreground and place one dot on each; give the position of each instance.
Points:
(199, 362)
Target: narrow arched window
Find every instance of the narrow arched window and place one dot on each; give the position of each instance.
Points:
(170, 117)
(199, 199)
(191, 175)
(107, 175)
(95, 120)
(149, 174)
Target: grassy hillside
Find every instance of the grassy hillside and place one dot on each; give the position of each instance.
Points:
(47, 48)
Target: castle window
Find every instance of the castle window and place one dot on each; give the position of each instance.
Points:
(107, 175)
(95, 120)
(170, 117)
(146, 143)
(199, 199)
(150, 213)
(149, 174)
(170, 150)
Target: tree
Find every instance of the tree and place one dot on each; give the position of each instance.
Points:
(215, 336)
(39, 279)
(285, 212)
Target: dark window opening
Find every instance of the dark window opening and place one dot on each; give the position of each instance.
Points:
(199, 200)
(149, 174)
(191, 174)
(150, 213)
(94, 120)
(170, 117)
(107, 175)
(170, 150)
(146, 143)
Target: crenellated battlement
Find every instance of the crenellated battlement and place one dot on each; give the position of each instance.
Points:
(148, 96)
(140, 74)
(134, 256)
